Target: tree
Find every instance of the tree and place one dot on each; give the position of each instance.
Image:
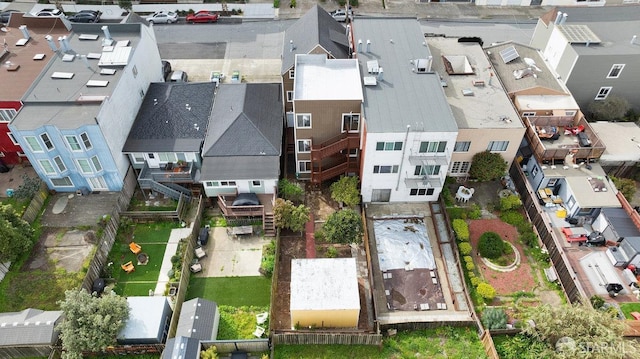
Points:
(626, 186)
(613, 108)
(288, 215)
(125, 4)
(343, 226)
(579, 331)
(16, 235)
(90, 323)
(491, 245)
(345, 190)
(487, 166)
(494, 318)
(289, 190)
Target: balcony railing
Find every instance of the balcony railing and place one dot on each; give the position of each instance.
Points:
(169, 174)
(418, 182)
(545, 151)
(321, 175)
(339, 143)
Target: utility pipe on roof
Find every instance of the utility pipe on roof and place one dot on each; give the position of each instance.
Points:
(404, 148)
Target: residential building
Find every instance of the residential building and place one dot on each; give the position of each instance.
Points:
(241, 151)
(31, 332)
(590, 3)
(316, 32)
(408, 129)
(622, 147)
(595, 52)
(327, 100)
(78, 112)
(166, 138)
(25, 54)
(484, 113)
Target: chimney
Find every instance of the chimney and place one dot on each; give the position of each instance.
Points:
(107, 34)
(380, 77)
(86, 61)
(429, 63)
(633, 40)
(564, 18)
(25, 32)
(558, 17)
(63, 45)
(368, 45)
(360, 46)
(52, 44)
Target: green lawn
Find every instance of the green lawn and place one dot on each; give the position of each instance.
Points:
(628, 308)
(153, 232)
(134, 288)
(233, 291)
(446, 342)
(36, 289)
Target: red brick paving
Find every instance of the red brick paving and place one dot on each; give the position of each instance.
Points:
(310, 237)
(504, 282)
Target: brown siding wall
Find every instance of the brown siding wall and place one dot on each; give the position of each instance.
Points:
(326, 118)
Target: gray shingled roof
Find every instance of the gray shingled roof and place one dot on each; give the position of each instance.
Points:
(402, 97)
(28, 327)
(313, 29)
(198, 319)
(173, 117)
(543, 79)
(181, 348)
(621, 222)
(246, 125)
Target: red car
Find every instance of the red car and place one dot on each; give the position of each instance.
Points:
(202, 16)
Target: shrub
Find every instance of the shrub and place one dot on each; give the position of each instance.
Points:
(474, 281)
(290, 190)
(332, 252)
(491, 245)
(268, 259)
(467, 259)
(494, 318)
(346, 191)
(447, 196)
(475, 212)
(461, 230)
(513, 218)
(470, 266)
(276, 3)
(465, 248)
(457, 213)
(486, 291)
(319, 236)
(344, 226)
(596, 301)
(529, 239)
(626, 186)
(487, 166)
(510, 202)
(293, 4)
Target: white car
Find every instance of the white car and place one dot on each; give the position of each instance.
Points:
(50, 13)
(163, 17)
(340, 15)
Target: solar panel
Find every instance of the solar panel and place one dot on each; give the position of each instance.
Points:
(509, 54)
(579, 34)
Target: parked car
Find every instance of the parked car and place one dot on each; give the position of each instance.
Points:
(96, 13)
(166, 70)
(340, 15)
(87, 16)
(202, 16)
(5, 15)
(163, 17)
(178, 76)
(50, 13)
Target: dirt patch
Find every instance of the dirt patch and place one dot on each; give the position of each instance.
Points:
(321, 203)
(59, 248)
(291, 247)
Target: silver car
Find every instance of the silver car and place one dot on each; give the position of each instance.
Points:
(163, 17)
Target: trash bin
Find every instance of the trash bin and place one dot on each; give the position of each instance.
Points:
(10, 192)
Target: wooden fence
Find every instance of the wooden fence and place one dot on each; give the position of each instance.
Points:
(246, 345)
(177, 214)
(306, 338)
(24, 352)
(35, 206)
(487, 344)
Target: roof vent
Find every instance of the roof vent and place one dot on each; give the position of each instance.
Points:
(423, 66)
(370, 81)
(478, 83)
(52, 44)
(25, 32)
(467, 92)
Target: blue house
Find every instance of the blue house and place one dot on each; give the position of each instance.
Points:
(78, 112)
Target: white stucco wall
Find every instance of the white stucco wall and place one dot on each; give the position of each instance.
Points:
(242, 186)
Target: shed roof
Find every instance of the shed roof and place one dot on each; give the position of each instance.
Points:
(324, 284)
(197, 319)
(28, 327)
(621, 222)
(181, 347)
(146, 317)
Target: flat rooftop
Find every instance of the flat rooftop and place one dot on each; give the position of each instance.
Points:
(319, 78)
(324, 284)
(544, 102)
(622, 140)
(590, 187)
(477, 99)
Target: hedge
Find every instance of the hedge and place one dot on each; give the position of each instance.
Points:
(461, 230)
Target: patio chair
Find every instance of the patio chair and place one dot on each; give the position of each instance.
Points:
(135, 247)
(259, 331)
(262, 317)
(128, 267)
(200, 253)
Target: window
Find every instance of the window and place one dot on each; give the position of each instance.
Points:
(304, 166)
(498, 146)
(432, 147)
(227, 183)
(47, 167)
(167, 157)
(7, 114)
(289, 96)
(462, 146)
(47, 141)
(256, 183)
(552, 182)
(84, 166)
(570, 113)
(385, 169)
(528, 114)
(615, 71)
(12, 138)
(62, 182)
(304, 146)
(292, 73)
(603, 93)
(534, 171)
(571, 202)
(151, 155)
(211, 184)
(60, 164)
(137, 157)
(303, 120)
(421, 192)
(388, 146)
(353, 152)
(33, 144)
(350, 122)
(74, 145)
(429, 170)
(85, 140)
(96, 163)
(460, 167)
